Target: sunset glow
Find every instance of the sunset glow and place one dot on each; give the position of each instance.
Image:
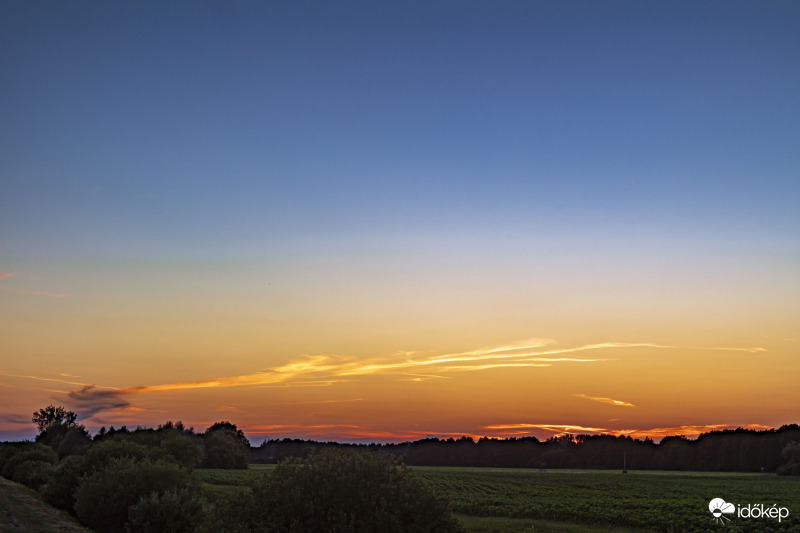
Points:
(388, 223)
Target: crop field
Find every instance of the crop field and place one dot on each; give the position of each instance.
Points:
(492, 499)
(660, 501)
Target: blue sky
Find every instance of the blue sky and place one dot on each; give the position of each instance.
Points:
(237, 118)
(546, 165)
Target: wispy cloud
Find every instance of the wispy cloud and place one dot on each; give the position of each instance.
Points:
(418, 378)
(317, 369)
(4, 276)
(16, 419)
(609, 401)
(327, 370)
(690, 431)
(56, 380)
(132, 409)
(554, 428)
(323, 402)
(655, 433)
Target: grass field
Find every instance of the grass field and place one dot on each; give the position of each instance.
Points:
(489, 499)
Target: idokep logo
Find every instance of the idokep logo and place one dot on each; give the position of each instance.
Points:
(719, 508)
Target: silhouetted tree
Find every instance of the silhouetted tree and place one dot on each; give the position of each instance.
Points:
(230, 428)
(185, 448)
(56, 425)
(225, 447)
(52, 415)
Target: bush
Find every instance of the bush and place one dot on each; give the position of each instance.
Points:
(102, 500)
(60, 491)
(169, 512)
(103, 453)
(344, 490)
(27, 451)
(7, 449)
(34, 474)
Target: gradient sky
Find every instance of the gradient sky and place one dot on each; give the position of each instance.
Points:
(383, 221)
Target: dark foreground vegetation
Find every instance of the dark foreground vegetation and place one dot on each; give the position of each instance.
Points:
(144, 481)
(148, 480)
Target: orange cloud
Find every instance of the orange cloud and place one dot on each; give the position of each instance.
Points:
(3, 276)
(609, 401)
(654, 433)
(316, 369)
(323, 369)
(686, 430)
(554, 428)
(327, 370)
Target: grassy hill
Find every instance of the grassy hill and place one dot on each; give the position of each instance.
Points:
(21, 509)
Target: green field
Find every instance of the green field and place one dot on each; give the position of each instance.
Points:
(492, 499)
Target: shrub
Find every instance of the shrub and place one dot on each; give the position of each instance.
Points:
(34, 474)
(168, 512)
(103, 453)
(27, 451)
(344, 490)
(7, 449)
(60, 491)
(103, 499)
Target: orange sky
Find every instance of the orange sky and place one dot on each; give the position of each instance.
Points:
(401, 220)
(535, 387)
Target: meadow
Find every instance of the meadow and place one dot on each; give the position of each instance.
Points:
(503, 499)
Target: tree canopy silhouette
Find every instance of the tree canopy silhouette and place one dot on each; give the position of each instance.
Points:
(44, 418)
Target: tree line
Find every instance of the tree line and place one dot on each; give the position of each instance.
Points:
(223, 445)
(739, 450)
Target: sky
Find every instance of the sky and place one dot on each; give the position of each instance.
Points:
(364, 221)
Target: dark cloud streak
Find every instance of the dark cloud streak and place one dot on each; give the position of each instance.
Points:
(90, 400)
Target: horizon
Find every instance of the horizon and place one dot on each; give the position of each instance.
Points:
(357, 222)
(542, 434)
